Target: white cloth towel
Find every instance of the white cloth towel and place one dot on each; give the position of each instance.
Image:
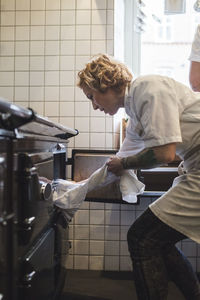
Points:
(69, 195)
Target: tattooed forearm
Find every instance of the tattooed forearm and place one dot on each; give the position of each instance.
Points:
(145, 159)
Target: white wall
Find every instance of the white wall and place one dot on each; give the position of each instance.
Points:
(43, 44)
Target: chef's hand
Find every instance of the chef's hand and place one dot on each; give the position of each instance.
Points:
(115, 165)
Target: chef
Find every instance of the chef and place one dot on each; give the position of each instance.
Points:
(164, 121)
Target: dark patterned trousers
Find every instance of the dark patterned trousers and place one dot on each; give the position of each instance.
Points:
(156, 260)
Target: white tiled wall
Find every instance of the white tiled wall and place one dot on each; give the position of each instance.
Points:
(43, 44)
(98, 234)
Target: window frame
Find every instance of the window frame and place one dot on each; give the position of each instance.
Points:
(132, 40)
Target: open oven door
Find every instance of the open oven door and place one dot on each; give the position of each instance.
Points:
(157, 181)
(84, 163)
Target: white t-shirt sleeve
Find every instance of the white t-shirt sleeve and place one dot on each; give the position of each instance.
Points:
(157, 111)
(130, 147)
(195, 50)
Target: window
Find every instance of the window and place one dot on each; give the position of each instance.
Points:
(161, 43)
(163, 30)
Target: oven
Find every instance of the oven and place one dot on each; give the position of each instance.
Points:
(84, 163)
(157, 181)
(32, 150)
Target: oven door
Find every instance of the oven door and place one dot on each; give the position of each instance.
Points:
(84, 163)
(33, 197)
(37, 274)
(157, 181)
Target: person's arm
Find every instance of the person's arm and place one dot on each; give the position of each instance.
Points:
(146, 159)
(194, 76)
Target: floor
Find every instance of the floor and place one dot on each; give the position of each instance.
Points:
(104, 285)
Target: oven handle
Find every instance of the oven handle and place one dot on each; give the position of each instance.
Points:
(28, 223)
(29, 277)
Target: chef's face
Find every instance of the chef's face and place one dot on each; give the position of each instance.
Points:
(107, 102)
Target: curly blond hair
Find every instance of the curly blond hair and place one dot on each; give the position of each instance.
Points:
(102, 73)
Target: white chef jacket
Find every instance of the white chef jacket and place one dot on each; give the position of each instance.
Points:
(164, 111)
(195, 50)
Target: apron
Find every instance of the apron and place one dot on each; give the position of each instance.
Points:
(179, 207)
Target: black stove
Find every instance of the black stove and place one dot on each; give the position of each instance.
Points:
(32, 150)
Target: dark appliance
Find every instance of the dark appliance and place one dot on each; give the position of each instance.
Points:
(158, 180)
(32, 149)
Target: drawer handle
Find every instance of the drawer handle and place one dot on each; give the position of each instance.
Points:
(29, 277)
(29, 221)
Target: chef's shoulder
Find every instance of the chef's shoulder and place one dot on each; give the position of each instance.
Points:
(147, 80)
(150, 84)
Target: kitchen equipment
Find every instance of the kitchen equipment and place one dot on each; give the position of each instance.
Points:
(84, 162)
(32, 149)
(158, 180)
